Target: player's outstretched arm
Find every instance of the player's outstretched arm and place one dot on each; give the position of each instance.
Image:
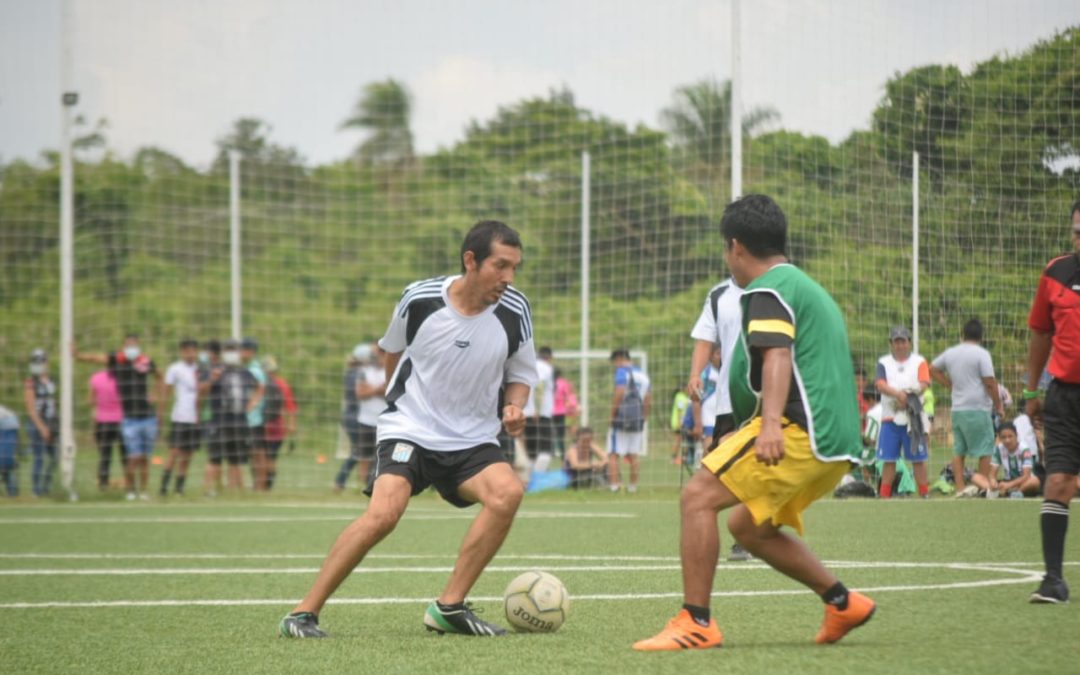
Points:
(775, 384)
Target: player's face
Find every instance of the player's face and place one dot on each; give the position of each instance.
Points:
(189, 354)
(901, 348)
(1008, 439)
(1076, 231)
(495, 274)
(733, 258)
(715, 358)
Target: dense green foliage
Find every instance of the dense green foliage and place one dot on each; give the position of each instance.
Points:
(326, 249)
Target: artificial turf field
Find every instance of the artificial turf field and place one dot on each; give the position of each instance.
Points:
(199, 586)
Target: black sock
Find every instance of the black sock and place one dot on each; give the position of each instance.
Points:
(456, 607)
(180, 480)
(270, 476)
(165, 477)
(837, 596)
(700, 615)
(1054, 519)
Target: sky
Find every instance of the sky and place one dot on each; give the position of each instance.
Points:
(176, 73)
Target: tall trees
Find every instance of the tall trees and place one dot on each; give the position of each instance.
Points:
(383, 111)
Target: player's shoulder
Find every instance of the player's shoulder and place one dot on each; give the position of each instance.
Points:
(1062, 267)
(422, 289)
(515, 301)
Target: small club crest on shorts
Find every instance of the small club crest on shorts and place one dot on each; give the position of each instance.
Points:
(402, 452)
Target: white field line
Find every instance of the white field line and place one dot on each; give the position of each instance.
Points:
(320, 556)
(1027, 579)
(227, 571)
(158, 520)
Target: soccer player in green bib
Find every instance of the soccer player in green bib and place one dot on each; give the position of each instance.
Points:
(793, 399)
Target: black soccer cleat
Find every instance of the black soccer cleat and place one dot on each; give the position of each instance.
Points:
(459, 621)
(1052, 591)
(301, 625)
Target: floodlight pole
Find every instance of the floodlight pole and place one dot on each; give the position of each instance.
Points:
(915, 252)
(736, 103)
(234, 244)
(67, 236)
(583, 367)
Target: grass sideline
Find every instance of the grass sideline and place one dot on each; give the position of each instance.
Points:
(606, 549)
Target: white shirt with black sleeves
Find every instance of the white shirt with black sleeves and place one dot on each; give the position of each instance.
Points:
(444, 394)
(721, 321)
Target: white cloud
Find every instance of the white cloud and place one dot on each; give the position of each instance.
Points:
(463, 88)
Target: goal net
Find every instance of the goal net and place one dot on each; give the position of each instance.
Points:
(836, 102)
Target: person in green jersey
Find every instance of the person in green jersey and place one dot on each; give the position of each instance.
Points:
(793, 399)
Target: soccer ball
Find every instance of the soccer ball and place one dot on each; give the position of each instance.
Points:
(536, 602)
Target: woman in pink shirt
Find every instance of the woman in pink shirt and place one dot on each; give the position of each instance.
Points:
(566, 405)
(105, 399)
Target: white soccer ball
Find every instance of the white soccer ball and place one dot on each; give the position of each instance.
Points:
(536, 602)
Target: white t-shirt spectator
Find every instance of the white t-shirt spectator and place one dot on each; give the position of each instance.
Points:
(371, 408)
(904, 375)
(966, 364)
(444, 394)
(1025, 434)
(184, 379)
(544, 391)
(710, 404)
(721, 321)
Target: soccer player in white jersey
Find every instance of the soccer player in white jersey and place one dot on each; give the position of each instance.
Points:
(720, 322)
(455, 347)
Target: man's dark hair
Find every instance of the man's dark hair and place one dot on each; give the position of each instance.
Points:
(131, 336)
(545, 352)
(584, 430)
(758, 223)
(973, 330)
(1075, 208)
(621, 353)
(212, 346)
(1007, 425)
(189, 342)
(482, 234)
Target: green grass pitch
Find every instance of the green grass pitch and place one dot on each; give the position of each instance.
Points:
(199, 586)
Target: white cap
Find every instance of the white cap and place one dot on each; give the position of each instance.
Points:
(362, 352)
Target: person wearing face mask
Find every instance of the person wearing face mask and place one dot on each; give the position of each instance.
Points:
(43, 425)
(232, 397)
(182, 379)
(133, 370)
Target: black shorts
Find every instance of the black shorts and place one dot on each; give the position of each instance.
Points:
(273, 448)
(722, 426)
(230, 441)
(106, 435)
(364, 447)
(1061, 430)
(257, 437)
(185, 437)
(424, 468)
(539, 436)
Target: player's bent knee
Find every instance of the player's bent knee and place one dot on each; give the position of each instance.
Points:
(506, 498)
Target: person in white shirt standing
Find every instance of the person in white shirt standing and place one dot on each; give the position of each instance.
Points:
(540, 408)
(720, 322)
(182, 380)
(460, 350)
(967, 371)
(900, 374)
(630, 406)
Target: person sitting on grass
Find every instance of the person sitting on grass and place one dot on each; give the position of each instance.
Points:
(1017, 463)
(584, 460)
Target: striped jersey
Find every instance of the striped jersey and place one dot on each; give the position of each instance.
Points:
(444, 393)
(721, 321)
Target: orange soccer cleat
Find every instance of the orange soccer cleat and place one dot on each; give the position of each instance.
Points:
(682, 632)
(839, 623)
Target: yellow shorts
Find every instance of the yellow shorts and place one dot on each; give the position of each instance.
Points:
(778, 493)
